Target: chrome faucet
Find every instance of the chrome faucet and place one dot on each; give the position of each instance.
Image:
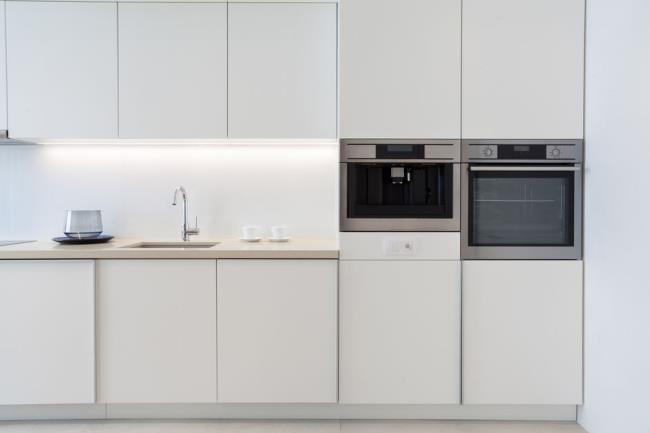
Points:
(186, 231)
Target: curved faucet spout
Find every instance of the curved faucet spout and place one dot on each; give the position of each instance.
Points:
(183, 195)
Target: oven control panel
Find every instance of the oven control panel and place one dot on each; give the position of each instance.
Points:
(489, 151)
(561, 152)
(521, 151)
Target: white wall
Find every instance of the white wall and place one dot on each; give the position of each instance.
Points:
(617, 288)
(228, 186)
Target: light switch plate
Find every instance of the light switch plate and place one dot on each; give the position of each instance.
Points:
(394, 247)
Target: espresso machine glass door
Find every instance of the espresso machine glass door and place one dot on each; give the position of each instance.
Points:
(389, 190)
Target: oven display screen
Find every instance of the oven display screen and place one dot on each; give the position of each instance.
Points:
(522, 151)
(399, 148)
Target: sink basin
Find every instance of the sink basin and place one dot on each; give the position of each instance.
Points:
(172, 245)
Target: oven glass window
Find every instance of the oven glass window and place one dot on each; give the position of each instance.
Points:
(388, 190)
(521, 208)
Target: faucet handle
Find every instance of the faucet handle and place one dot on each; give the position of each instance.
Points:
(194, 230)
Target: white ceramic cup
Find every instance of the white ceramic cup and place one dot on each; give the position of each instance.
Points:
(251, 232)
(279, 232)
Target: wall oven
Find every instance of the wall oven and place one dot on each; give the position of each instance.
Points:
(400, 185)
(522, 199)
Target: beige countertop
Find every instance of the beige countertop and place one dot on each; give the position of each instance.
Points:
(225, 249)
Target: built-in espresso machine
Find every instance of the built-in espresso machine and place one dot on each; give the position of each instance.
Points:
(400, 185)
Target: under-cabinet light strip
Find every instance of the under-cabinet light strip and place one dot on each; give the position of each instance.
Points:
(186, 142)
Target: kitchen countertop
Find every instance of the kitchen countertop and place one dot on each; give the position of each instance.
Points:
(225, 249)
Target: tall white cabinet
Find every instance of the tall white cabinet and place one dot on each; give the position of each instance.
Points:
(3, 70)
(62, 69)
(523, 69)
(47, 332)
(400, 68)
(173, 67)
(399, 332)
(157, 331)
(277, 331)
(282, 69)
(522, 332)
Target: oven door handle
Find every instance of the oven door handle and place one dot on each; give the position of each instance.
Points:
(523, 168)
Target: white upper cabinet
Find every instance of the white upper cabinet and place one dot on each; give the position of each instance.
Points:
(173, 70)
(399, 332)
(197, 1)
(277, 331)
(400, 68)
(522, 332)
(157, 331)
(523, 69)
(62, 69)
(3, 70)
(47, 332)
(271, 1)
(282, 69)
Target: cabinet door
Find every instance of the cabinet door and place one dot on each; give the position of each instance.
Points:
(399, 332)
(277, 331)
(522, 332)
(62, 69)
(157, 331)
(523, 69)
(47, 332)
(173, 70)
(282, 70)
(400, 68)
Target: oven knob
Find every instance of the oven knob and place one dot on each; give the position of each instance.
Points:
(488, 152)
(555, 152)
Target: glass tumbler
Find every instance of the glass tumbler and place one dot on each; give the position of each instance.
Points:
(83, 224)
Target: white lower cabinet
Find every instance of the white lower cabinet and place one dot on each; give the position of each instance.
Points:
(522, 332)
(157, 331)
(277, 331)
(47, 332)
(399, 332)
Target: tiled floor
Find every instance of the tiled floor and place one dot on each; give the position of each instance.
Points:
(290, 427)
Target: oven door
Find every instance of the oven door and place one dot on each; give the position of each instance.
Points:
(400, 196)
(521, 212)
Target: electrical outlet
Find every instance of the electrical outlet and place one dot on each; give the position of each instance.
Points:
(399, 247)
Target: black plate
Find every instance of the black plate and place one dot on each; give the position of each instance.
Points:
(98, 240)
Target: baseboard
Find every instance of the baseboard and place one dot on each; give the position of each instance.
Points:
(288, 411)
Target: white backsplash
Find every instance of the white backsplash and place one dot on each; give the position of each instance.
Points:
(228, 187)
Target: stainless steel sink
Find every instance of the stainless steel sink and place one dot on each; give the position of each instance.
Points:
(172, 245)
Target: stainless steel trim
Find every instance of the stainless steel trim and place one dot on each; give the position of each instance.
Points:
(400, 161)
(524, 168)
(448, 142)
(399, 224)
(441, 151)
(434, 150)
(468, 252)
(359, 151)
